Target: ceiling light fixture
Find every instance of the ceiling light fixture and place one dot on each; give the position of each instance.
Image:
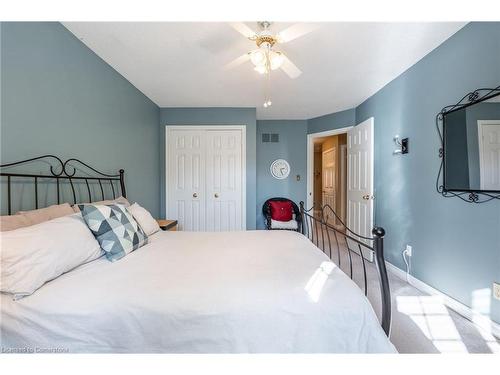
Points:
(265, 58)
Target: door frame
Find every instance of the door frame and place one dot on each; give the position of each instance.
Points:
(243, 129)
(343, 182)
(480, 124)
(310, 159)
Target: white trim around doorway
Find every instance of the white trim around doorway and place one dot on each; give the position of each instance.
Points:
(480, 124)
(310, 158)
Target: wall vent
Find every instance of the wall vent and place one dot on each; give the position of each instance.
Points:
(273, 137)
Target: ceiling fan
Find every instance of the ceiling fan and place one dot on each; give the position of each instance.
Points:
(267, 57)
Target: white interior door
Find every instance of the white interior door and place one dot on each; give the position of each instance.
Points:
(328, 182)
(360, 178)
(224, 180)
(489, 154)
(186, 178)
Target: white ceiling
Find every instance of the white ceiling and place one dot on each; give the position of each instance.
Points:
(182, 64)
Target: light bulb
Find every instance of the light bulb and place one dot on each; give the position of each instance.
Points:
(261, 69)
(276, 59)
(269, 103)
(258, 57)
(265, 104)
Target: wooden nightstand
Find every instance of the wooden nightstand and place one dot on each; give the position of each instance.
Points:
(167, 224)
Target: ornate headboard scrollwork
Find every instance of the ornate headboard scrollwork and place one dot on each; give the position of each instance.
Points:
(71, 170)
(471, 195)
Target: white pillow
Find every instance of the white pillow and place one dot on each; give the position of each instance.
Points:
(33, 255)
(292, 224)
(120, 200)
(148, 224)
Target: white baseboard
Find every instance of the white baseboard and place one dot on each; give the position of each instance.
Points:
(482, 321)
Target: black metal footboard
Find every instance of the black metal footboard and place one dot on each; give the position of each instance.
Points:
(331, 236)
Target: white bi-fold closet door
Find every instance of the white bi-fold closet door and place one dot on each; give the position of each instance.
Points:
(205, 177)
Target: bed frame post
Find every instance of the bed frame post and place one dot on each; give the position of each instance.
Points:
(302, 229)
(122, 183)
(378, 247)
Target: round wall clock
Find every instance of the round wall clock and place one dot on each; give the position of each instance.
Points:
(280, 169)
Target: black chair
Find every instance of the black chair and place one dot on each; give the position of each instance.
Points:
(266, 211)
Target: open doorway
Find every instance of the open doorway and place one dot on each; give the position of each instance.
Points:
(353, 171)
(330, 174)
(316, 144)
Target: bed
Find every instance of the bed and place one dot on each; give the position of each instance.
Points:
(198, 292)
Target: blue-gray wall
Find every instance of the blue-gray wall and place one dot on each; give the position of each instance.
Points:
(215, 116)
(58, 97)
(331, 121)
(292, 147)
(456, 245)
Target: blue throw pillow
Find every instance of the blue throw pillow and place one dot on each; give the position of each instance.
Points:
(114, 228)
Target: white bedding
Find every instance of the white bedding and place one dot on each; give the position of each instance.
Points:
(185, 292)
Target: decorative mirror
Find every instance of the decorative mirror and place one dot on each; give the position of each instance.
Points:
(470, 147)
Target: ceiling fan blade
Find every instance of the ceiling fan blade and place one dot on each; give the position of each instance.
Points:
(290, 68)
(238, 61)
(243, 29)
(296, 31)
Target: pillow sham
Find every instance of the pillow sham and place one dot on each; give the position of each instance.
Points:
(120, 200)
(114, 228)
(34, 255)
(148, 224)
(11, 222)
(48, 213)
(281, 210)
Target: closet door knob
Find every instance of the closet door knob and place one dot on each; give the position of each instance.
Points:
(366, 197)
(195, 195)
(216, 195)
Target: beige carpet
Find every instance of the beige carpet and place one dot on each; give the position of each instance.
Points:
(420, 323)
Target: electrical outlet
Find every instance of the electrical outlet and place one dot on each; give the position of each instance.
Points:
(408, 250)
(496, 290)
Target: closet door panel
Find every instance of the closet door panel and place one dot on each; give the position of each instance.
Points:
(224, 180)
(186, 178)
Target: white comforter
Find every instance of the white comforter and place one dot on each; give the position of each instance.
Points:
(256, 291)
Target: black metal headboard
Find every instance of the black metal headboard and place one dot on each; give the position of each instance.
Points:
(71, 170)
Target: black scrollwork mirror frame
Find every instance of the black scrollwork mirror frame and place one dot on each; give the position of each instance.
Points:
(469, 196)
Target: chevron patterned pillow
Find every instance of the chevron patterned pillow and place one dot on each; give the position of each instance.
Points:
(114, 228)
